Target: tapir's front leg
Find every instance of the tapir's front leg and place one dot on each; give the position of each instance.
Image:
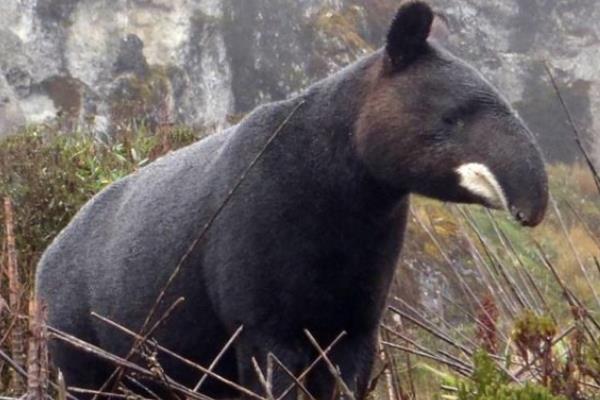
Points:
(354, 357)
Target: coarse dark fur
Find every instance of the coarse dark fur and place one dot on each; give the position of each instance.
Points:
(311, 237)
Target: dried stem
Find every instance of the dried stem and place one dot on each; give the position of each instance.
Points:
(212, 365)
(573, 125)
(297, 382)
(17, 336)
(313, 364)
(183, 360)
(108, 395)
(332, 369)
(162, 380)
(266, 384)
(117, 374)
(460, 368)
(37, 356)
(433, 331)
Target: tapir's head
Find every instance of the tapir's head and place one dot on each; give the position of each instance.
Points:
(431, 124)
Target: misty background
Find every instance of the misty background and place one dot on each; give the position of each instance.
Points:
(93, 90)
(98, 65)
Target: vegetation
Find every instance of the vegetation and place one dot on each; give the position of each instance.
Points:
(50, 176)
(489, 384)
(480, 307)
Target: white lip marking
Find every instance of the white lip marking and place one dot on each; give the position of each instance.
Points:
(479, 180)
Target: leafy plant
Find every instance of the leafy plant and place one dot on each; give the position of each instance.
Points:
(488, 383)
(49, 175)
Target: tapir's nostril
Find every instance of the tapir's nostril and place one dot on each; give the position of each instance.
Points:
(519, 216)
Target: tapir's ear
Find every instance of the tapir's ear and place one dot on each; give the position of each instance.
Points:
(409, 32)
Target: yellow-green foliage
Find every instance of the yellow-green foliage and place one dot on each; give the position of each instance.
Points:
(488, 383)
(531, 330)
(141, 97)
(49, 176)
(591, 359)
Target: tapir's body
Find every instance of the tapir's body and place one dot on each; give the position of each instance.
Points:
(308, 237)
(118, 253)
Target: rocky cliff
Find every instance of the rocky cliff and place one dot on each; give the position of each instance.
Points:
(102, 64)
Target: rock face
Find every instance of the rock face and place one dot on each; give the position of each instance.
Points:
(106, 63)
(102, 65)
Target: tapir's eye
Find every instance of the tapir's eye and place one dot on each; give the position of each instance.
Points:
(453, 121)
(456, 117)
(448, 120)
(453, 124)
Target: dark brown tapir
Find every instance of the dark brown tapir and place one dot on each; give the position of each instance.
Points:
(309, 239)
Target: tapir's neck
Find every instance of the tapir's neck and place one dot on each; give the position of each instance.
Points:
(360, 222)
(330, 112)
(351, 226)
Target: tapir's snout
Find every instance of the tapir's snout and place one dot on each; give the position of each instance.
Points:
(526, 184)
(513, 179)
(527, 219)
(529, 204)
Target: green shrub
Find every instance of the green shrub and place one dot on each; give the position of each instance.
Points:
(488, 383)
(49, 176)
